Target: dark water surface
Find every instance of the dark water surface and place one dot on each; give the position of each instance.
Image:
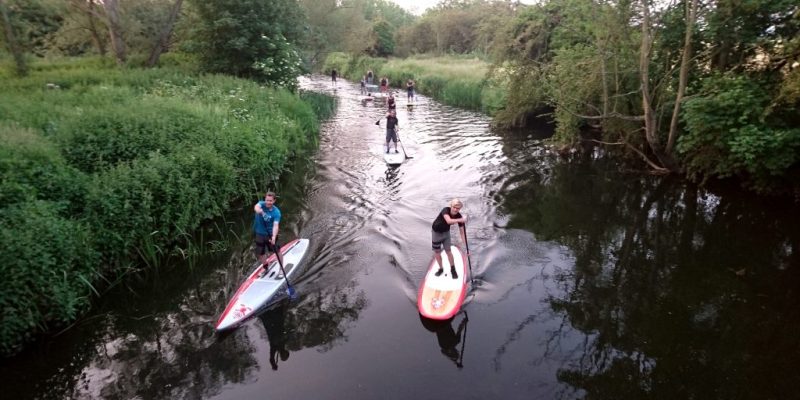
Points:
(589, 283)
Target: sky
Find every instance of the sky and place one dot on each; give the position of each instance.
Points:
(419, 6)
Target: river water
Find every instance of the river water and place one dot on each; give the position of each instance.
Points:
(589, 282)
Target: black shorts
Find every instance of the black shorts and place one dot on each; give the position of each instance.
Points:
(263, 244)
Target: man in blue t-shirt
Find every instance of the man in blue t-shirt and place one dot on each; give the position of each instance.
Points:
(265, 226)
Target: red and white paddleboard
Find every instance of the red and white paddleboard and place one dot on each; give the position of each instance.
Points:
(440, 297)
(264, 286)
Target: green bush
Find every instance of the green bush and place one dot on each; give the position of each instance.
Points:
(729, 132)
(31, 168)
(117, 167)
(103, 137)
(47, 264)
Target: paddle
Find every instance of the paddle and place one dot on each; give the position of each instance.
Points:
(469, 259)
(404, 149)
(289, 288)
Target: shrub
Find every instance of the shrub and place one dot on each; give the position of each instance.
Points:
(47, 264)
(729, 132)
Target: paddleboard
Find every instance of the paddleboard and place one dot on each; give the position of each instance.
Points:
(440, 297)
(411, 104)
(393, 158)
(264, 286)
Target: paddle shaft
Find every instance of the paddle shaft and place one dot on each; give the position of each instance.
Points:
(469, 258)
(289, 288)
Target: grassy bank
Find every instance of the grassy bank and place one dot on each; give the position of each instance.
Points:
(103, 167)
(454, 80)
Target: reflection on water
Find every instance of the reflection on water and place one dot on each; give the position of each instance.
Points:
(590, 282)
(448, 338)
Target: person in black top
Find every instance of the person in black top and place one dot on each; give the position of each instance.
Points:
(410, 90)
(391, 130)
(391, 103)
(369, 77)
(440, 234)
(333, 76)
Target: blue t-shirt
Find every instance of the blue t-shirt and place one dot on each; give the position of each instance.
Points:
(262, 224)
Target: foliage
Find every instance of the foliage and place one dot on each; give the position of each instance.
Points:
(121, 187)
(384, 39)
(455, 27)
(47, 265)
(252, 38)
(732, 131)
(35, 22)
(358, 27)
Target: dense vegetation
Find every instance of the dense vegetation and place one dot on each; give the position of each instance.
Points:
(91, 188)
(707, 89)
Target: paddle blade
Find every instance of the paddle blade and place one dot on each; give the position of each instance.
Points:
(291, 292)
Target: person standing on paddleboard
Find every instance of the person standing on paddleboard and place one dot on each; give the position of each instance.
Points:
(390, 103)
(369, 77)
(391, 130)
(384, 84)
(440, 234)
(266, 223)
(410, 90)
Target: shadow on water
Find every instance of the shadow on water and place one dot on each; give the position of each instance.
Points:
(448, 338)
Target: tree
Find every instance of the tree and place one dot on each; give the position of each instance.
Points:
(384, 39)
(249, 38)
(162, 43)
(115, 31)
(11, 40)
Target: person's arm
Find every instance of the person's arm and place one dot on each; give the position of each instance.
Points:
(257, 208)
(275, 227)
(450, 220)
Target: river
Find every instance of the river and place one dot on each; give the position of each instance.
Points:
(590, 281)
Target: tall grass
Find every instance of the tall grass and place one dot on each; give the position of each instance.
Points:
(459, 81)
(106, 167)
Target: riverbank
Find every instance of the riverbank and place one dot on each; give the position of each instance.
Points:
(459, 81)
(107, 170)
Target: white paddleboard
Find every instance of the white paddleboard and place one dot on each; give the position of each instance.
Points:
(393, 158)
(264, 286)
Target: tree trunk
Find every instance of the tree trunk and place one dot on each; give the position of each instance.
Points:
(91, 15)
(684, 74)
(115, 30)
(11, 39)
(162, 42)
(650, 129)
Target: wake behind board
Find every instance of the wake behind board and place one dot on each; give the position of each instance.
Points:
(440, 297)
(264, 286)
(393, 158)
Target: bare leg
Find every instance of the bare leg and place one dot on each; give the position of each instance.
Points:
(450, 258)
(438, 256)
(453, 273)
